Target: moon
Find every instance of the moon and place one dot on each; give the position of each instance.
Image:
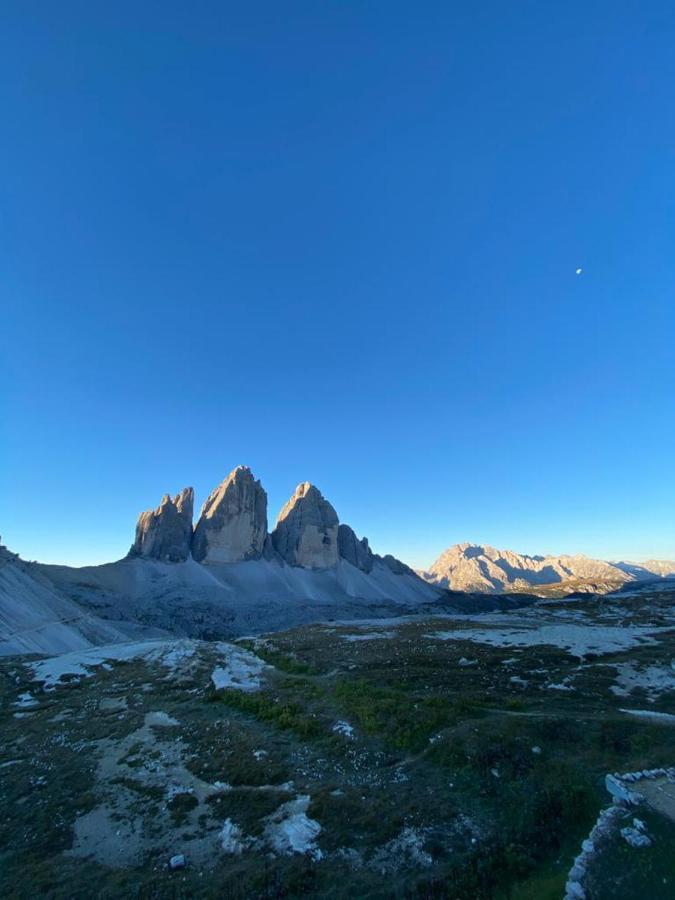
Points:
(579, 271)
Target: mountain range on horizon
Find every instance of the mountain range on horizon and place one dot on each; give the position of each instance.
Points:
(485, 569)
(233, 528)
(228, 574)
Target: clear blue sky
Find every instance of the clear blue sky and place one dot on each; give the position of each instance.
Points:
(337, 242)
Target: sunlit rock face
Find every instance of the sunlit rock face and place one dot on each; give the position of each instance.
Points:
(306, 532)
(481, 568)
(355, 551)
(233, 523)
(165, 533)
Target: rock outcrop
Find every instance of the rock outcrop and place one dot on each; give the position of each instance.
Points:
(396, 566)
(355, 551)
(306, 533)
(232, 528)
(165, 533)
(233, 523)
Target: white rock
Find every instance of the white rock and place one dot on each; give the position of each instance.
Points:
(574, 891)
(232, 838)
(620, 792)
(635, 837)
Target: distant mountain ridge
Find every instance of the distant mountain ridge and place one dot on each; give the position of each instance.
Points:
(229, 574)
(659, 568)
(485, 569)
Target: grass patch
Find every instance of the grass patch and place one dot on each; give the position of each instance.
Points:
(149, 791)
(286, 715)
(180, 807)
(284, 662)
(247, 808)
(402, 721)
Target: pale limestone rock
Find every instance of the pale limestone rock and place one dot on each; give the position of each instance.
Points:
(233, 523)
(165, 533)
(306, 532)
(472, 567)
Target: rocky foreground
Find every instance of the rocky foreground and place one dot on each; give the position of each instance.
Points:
(451, 756)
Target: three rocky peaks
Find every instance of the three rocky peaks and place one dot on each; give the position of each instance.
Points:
(232, 528)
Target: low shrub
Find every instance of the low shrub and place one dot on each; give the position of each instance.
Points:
(285, 715)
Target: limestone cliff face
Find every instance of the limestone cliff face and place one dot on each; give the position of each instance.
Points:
(232, 528)
(165, 533)
(233, 523)
(306, 532)
(355, 551)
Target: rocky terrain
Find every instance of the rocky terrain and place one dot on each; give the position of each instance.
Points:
(456, 756)
(35, 617)
(386, 736)
(473, 567)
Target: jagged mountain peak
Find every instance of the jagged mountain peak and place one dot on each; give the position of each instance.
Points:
(233, 523)
(657, 568)
(305, 490)
(232, 528)
(355, 551)
(306, 533)
(165, 533)
(476, 567)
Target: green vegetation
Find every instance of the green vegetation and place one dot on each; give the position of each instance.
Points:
(404, 722)
(181, 805)
(458, 773)
(282, 714)
(284, 662)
